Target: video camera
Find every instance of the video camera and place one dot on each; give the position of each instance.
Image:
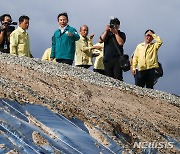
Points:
(8, 27)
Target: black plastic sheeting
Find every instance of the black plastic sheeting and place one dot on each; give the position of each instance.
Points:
(62, 135)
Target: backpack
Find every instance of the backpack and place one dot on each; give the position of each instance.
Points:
(158, 73)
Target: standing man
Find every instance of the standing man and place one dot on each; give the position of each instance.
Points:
(5, 31)
(145, 58)
(19, 39)
(46, 55)
(63, 41)
(112, 38)
(84, 46)
(98, 63)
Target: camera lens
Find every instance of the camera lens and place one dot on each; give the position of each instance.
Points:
(112, 25)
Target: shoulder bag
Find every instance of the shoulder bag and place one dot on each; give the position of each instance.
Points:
(124, 58)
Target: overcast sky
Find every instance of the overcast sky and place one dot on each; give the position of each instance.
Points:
(136, 16)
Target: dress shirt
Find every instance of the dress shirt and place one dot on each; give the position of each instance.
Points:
(19, 43)
(83, 53)
(145, 55)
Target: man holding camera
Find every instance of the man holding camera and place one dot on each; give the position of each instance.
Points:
(113, 39)
(5, 31)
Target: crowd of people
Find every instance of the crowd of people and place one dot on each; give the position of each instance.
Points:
(69, 45)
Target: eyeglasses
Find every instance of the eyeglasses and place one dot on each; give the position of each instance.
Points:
(148, 35)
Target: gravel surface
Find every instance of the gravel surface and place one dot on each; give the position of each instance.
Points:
(117, 108)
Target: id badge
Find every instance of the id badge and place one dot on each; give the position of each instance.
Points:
(5, 46)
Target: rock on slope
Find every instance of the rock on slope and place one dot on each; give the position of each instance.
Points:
(128, 114)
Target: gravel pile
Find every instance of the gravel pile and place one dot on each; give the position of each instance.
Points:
(57, 69)
(114, 107)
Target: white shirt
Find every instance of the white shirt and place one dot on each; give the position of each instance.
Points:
(62, 29)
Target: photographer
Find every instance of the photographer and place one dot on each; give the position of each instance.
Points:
(5, 31)
(113, 38)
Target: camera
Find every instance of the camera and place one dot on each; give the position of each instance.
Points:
(8, 27)
(112, 25)
(114, 22)
(9, 23)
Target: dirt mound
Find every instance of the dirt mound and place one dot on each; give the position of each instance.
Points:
(127, 116)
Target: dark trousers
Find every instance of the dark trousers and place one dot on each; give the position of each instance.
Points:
(65, 61)
(85, 66)
(99, 71)
(5, 50)
(113, 69)
(145, 78)
(136, 77)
